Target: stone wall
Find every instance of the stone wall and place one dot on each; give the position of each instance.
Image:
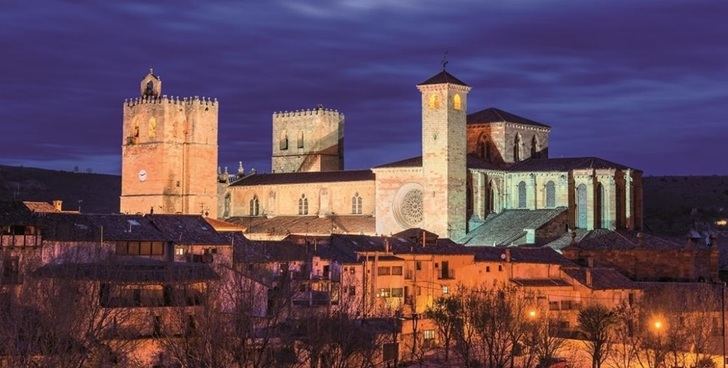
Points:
(283, 199)
(391, 185)
(444, 147)
(502, 138)
(169, 156)
(308, 140)
(690, 263)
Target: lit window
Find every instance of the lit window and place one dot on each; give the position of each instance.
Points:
(179, 251)
(434, 101)
(445, 290)
(385, 293)
(152, 127)
(457, 104)
(428, 334)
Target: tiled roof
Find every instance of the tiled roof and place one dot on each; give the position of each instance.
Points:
(609, 239)
(187, 229)
(149, 271)
(495, 115)
(564, 164)
(508, 226)
(74, 227)
(305, 177)
(221, 225)
(284, 225)
(602, 278)
(475, 162)
(540, 282)
(15, 213)
(40, 206)
(443, 77)
(543, 255)
(408, 162)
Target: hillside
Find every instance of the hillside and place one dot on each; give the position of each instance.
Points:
(673, 203)
(99, 193)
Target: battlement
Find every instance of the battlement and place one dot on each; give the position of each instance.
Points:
(319, 111)
(172, 100)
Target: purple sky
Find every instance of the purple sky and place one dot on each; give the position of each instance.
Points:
(643, 83)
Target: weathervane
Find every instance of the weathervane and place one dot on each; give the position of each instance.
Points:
(444, 60)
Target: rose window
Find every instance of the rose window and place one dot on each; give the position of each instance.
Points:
(409, 208)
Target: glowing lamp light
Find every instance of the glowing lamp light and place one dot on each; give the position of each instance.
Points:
(658, 325)
(721, 222)
(532, 314)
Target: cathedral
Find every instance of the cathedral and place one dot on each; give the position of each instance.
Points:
(483, 178)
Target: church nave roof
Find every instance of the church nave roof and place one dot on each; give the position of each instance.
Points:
(305, 177)
(495, 115)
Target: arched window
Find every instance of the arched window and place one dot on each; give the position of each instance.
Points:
(600, 207)
(150, 89)
(254, 206)
(522, 194)
(300, 139)
(283, 143)
(226, 208)
(534, 147)
(356, 204)
(581, 209)
(152, 127)
(483, 149)
(550, 194)
(303, 205)
(457, 103)
(517, 148)
(434, 101)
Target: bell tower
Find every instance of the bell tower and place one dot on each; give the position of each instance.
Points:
(169, 152)
(444, 144)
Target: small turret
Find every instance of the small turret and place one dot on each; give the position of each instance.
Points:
(151, 85)
(241, 170)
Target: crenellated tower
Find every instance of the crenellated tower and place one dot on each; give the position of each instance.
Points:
(169, 153)
(444, 144)
(308, 140)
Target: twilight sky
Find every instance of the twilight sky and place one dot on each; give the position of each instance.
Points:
(643, 83)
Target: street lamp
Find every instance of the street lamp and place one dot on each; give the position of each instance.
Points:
(532, 314)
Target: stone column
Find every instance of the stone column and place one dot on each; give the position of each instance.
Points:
(533, 186)
(611, 189)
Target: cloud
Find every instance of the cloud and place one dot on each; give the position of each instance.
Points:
(622, 79)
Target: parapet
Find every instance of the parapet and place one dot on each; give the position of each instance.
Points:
(319, 111)
(172, 100)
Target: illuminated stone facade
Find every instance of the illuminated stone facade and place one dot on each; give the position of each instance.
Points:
(169, 153)
(473, 167)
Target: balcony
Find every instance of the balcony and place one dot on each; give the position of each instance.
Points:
(20, 240)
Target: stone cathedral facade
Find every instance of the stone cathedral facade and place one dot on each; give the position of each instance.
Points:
(483, 178)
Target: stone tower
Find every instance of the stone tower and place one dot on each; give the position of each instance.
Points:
(308, 140)
(444, 115)
(169, 153)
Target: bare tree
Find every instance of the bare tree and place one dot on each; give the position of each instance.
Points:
(445, 312)
(595, 325)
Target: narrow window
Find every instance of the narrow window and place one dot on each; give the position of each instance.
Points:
(517, 148)
(522, 195)
(550, 194)
(283, 143)
(300, 139)
(152, 127)
(457, 103)
(434, 101)
(356, 204)
(254, 206)
(303, 205)
(534, 147)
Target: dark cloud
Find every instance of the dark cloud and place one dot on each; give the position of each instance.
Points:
(641, 83)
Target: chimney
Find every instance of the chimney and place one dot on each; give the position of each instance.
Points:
(58, 205)
(588, 271)
(508, 255)
(386, 245)
(640, 239)
(589, 277)
(573, 236)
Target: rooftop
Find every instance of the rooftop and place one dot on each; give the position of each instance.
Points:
(304, 177)
(443, 77)
(495, 115)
